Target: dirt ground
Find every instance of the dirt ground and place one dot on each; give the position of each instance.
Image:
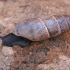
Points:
(51, 54)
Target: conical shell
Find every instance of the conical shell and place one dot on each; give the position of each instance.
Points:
(37, 29)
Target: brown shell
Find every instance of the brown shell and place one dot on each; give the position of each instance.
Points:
(37, 29)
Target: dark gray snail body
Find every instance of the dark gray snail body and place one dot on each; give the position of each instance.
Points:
(37, 29)
(11, 39)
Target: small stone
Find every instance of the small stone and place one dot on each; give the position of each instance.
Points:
(7, 51)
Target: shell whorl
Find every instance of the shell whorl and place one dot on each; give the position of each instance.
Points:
(37, 29)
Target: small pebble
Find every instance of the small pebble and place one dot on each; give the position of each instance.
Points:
(7, 51)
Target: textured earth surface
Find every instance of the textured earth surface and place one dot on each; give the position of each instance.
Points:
(51, 54)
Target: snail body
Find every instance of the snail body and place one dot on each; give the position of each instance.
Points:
(11, 39)
(37, 29)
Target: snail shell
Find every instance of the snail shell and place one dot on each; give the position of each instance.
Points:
(37, 29)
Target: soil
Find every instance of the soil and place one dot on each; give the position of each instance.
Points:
(51, 54)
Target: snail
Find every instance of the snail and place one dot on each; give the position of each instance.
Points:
(37, 29)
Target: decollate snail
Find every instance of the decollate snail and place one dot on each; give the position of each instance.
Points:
(37, 29)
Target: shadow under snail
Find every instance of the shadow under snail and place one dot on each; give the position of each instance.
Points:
(37, 29)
